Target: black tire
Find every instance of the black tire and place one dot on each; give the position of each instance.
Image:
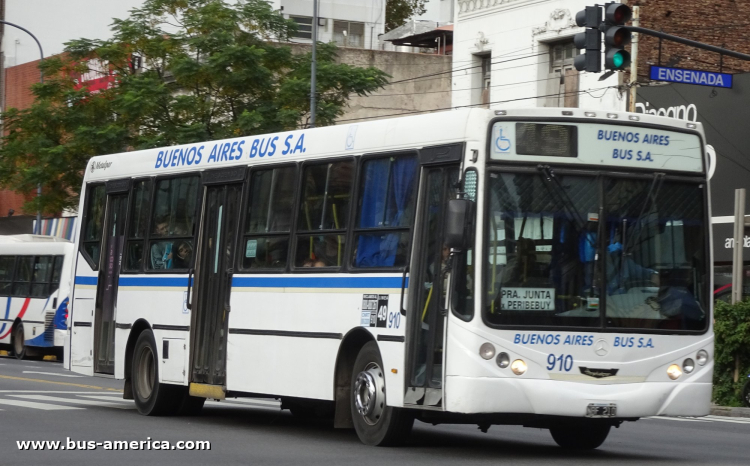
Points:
(580, 436)
(311, 410)
(746, 395)
(382, 425)
(302, 412)
(19, 349)
(151, 397)
(189, 405)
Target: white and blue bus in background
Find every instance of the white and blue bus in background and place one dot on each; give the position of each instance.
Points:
(539, 267)
(35, 273)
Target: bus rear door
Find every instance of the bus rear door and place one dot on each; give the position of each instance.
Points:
(109, 275)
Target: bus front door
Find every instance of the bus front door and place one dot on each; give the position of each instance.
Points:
(213, 283)
(429, 272)
(106, 295)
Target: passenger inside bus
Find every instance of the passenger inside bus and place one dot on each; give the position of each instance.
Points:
(159, 248)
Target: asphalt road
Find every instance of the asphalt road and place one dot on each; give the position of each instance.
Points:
(41, 401)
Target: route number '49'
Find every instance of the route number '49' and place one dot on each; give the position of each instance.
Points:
(563, 362)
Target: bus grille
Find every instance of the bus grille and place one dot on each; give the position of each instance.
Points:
(49, 329)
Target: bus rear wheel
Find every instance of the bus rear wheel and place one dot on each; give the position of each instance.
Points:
(374, 422)
(151, 397)
(580, 436)
(19, 348)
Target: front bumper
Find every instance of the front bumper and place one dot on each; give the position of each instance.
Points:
(474, 395)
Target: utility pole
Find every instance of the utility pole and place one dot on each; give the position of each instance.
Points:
(634, 60)
(38, 226)
(737, 252)
(314, 66)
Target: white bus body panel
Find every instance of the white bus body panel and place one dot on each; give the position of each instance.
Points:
(304, 366)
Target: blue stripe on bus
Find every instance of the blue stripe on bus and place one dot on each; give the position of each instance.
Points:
(154, 281)
(353, 281)
(86, 280)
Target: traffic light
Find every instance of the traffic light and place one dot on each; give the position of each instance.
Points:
(616, 36)
(590, 40)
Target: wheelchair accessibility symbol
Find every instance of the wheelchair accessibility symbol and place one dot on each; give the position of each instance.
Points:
(502, 143)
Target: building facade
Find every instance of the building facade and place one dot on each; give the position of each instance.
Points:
(519, 53)
(348, 23)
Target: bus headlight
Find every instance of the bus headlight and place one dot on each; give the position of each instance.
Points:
(702, 357)
(487, 351)
(518, 367)
(674, 372)
(503, 360)
(688, 365)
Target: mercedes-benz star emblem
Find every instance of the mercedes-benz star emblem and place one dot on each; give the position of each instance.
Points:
(601, 347)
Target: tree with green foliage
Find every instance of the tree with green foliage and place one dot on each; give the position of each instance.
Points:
(209, 70)
(731, 350)
(398, 12)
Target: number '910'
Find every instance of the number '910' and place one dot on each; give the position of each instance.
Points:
(563, 362)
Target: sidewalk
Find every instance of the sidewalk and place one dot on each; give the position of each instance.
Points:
(727, 411)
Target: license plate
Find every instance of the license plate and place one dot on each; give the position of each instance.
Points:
(601, 410)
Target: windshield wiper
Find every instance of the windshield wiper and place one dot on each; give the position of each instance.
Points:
(653, 191)
(568, 205)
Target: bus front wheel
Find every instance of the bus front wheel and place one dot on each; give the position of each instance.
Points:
(151, 397)
(374, 422)
(580, 436)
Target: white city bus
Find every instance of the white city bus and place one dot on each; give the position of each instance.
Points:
(539, 267)
(35, 276)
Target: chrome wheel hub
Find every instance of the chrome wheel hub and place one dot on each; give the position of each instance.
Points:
(369, 393)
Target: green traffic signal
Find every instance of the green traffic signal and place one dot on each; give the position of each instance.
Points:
(616, 59)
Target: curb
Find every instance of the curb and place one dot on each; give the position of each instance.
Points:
(729, 411)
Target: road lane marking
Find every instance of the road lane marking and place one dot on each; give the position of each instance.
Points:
(110, 398)
(736, 420)
(77, 401)
(32, 405)
(52, 373)
(684, 419)
(25, 379)
(56, 392)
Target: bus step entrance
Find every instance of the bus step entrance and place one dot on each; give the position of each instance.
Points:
(203, 390)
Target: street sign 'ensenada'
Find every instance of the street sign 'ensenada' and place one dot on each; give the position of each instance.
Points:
(701, 78)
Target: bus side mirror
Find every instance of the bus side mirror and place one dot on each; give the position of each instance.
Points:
(458, 223)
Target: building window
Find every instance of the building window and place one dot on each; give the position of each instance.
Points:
(304, 26)
(481, 80)
(349, 34)
(486, 79)
(562, 80)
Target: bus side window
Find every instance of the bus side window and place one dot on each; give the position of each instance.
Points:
(7, 264)
(94, 224)
(41, 277)
(172, 220)
(22, 277)
(386, 211)
(323, 215)
(56, 273)
(269, 218)
(138, 224)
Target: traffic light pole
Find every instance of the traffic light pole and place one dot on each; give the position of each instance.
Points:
(682, 40)
(634, 60)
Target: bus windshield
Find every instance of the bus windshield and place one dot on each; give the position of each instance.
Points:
(572, 250)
